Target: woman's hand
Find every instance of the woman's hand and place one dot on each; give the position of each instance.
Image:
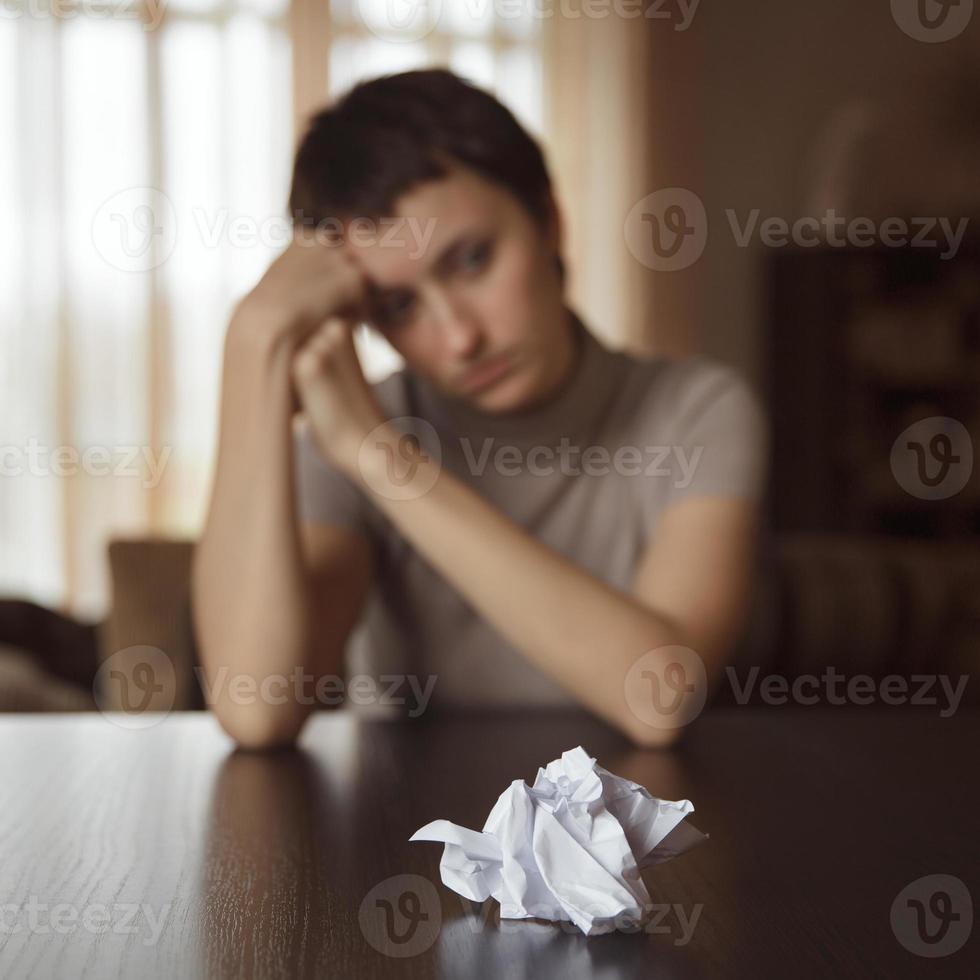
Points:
(299, 319)
(313, 279)
(339, 402)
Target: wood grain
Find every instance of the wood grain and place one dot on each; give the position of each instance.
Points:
(258, 865)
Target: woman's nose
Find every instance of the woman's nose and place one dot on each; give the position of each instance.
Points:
(461, 332)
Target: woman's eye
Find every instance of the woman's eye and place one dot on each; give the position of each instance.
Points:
(395, 310)
(475, 258)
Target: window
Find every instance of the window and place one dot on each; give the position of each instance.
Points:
(137, 146)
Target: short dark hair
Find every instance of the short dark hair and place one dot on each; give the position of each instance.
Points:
(388, 134)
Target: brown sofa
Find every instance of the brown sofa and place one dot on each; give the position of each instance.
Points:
(49, 662)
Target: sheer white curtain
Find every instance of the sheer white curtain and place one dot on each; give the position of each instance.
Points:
(144, 173)
(140, 170)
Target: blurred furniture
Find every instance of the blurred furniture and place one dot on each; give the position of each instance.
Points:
(47, 660)
(864, 342)
(865, 604)
(874, 604)
(151, 607)
(50, 662)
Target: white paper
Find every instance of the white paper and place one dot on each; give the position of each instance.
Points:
(569, 848)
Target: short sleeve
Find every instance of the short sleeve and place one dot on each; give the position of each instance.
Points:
(720, 443)
(324, 495)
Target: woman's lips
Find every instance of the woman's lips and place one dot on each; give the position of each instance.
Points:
(486, 374)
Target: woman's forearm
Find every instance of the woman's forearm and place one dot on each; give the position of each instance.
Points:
(573, 626)
(250, 589)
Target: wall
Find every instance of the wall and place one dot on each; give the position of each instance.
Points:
(742, 96)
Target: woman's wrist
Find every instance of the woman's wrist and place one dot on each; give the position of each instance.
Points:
(255, 346)
(391, 464)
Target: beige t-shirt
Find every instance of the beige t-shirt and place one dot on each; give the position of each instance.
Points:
(588, 474)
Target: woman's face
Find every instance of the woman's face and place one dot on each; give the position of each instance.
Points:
(464, 285)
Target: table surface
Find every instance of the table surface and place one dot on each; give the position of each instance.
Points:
(165, 852)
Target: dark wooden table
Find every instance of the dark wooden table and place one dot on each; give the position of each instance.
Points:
(164, 853)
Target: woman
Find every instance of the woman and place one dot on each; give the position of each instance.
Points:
(519, 517)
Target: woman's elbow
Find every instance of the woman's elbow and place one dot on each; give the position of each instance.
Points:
(260, 730)
(648, 737)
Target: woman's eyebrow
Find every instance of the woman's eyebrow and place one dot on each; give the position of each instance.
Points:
(439, 264)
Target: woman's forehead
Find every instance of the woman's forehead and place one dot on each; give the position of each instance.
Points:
(428, 221)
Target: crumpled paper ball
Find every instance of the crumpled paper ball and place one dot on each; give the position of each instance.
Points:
(569, 848)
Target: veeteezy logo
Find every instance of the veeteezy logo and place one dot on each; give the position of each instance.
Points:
(838, 231)
(835, 688)
(300, 687)
(407, 21)
(149, 12)
(933, 915)
(96, 918)
(570, 459)
(932, 21)
(670, 919)
(138, 229)
(932, 459)
(668, 230)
